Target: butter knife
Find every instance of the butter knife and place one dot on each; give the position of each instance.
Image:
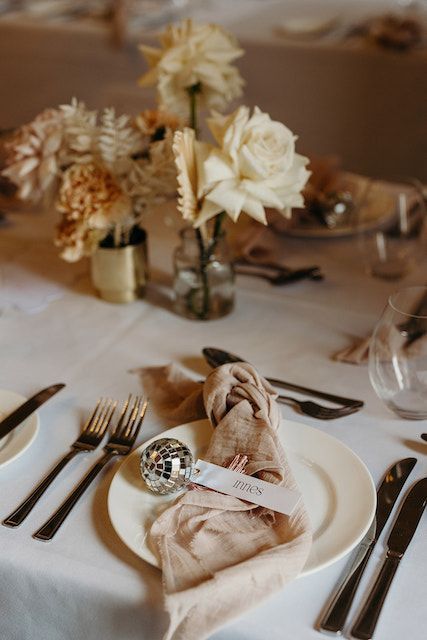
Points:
(334, 618)
(216, 357)
(27, 408)
(397, 543)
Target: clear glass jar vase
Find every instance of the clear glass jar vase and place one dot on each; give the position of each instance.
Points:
(204, 277)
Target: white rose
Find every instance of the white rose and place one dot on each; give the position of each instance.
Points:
(192, 54)
(258, 163)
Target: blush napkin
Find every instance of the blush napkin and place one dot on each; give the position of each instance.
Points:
(221, 556)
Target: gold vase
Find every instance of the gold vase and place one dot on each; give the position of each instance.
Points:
(120, 274)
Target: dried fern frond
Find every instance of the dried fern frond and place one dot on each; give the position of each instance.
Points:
(80, 133)
(32, 155)
(118, 141)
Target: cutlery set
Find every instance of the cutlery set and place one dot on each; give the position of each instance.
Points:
(120, 443)
(216, 357)
(334, 618)
(275, 275)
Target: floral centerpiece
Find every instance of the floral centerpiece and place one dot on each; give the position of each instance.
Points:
(251, 164)
(103, 172)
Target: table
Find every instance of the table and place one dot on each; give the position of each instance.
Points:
(341, 96)
(85, 584)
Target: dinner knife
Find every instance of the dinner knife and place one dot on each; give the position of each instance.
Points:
(334, 618)
(216, 357)
(27, 408)
(397, 543)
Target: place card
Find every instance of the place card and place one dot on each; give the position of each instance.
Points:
(249, 488)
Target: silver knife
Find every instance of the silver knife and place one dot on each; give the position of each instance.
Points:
(397, 543)
(333, 620)
(217, 357)
(27, 408)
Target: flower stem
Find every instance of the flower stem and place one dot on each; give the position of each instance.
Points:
(204, 261)
(217, 228)
(205, 253)
(193, 91)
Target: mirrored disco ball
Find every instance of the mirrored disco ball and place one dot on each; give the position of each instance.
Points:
(166, 465)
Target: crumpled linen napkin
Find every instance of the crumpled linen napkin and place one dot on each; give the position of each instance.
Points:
(221, 556)
(358, 351)
(261, 245)
(355, 353)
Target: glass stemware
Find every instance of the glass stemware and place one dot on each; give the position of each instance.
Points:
(398, 354)
(391, 247)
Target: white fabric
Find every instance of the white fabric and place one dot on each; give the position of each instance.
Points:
(85, 584)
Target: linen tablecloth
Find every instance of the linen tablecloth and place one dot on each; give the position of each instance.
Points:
(85, 584)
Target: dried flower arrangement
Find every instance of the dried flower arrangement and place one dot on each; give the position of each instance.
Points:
(103, 171)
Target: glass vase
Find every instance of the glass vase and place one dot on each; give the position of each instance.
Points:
(204, 277)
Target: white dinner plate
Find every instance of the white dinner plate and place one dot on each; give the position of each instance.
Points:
(18, 440)
(337, 488)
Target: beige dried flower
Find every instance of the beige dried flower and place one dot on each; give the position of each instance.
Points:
(194, 54)
(32, 160)
(118, 140)
(153, 123)
(92, 204)
(185, 160)
(191, 157)
(152, 178)
(76, 239)
(80, 133)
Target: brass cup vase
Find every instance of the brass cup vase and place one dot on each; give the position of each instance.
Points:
(119, 274)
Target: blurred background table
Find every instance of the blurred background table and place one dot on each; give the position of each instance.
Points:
(343, 96)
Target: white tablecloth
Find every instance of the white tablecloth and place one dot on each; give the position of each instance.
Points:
(86, 584)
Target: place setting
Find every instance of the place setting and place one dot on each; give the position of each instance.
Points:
(237, 447)
(322, 478)
(255, 475)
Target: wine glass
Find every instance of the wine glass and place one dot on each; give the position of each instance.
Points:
(391, 244)
(398, 354)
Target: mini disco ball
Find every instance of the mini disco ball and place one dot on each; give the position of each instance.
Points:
(166, 465)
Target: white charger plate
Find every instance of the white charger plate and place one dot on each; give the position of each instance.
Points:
(18, 440)
(337, 488)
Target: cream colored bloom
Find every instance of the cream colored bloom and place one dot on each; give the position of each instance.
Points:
(92, 204)
(152, 178)
(153, 123)
(193, 159)
(258, 166)
(32, 162)
(192, 54)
